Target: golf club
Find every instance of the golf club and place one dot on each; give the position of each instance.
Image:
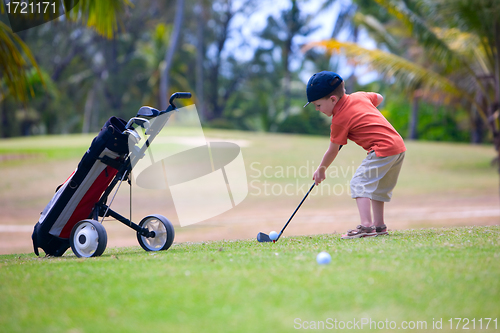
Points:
(262, 237)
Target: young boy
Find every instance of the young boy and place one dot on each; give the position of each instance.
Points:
(356, 117)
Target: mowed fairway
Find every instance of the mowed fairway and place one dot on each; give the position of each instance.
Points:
(441, 261)
(413, 278)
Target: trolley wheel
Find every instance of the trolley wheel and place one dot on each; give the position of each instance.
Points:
(88, 239)
(164, 233)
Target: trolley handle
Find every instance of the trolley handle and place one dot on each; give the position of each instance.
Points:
(178, 95)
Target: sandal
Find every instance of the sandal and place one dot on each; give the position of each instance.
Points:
(360, 231)
(382, 230)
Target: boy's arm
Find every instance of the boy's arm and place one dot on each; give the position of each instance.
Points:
(330, 155)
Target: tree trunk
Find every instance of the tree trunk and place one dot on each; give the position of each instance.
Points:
(4, 121)
(214, 93)
(477, 132)
(200, 55)
(169, 55)
(87, 113)
(413, 128)
(287, 78)
(495, 110)
(477, 129)
(217, 109)
(350, 82)
(497, 72)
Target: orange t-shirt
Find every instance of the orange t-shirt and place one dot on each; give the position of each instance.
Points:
(355, 117)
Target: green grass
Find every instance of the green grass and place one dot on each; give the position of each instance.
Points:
(244, 286)
(49, 147)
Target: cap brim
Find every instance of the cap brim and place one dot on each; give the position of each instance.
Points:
(307, 104)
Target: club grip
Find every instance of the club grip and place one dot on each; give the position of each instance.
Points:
(183, 95)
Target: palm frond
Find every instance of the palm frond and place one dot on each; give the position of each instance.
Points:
(475, 16)
(408, 74)
(478, 16)
(373, 25)
(420, 29)
(468, 46)
(103, 16)
(15, 60)
(344, 19)
(327, 4)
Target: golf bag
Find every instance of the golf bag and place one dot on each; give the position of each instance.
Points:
(77, 197)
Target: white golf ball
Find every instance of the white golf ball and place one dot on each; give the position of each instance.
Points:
(323, 258)
(273, 235)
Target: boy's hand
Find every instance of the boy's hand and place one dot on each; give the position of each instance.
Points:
(319, 175)
(331, 153)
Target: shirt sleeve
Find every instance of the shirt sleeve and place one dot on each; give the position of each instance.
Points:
(373, 98)
(338, 134)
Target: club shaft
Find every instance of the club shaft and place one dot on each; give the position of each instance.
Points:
(291, 217)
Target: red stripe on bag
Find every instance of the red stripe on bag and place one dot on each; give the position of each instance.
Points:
(85, 206)
(69, 177)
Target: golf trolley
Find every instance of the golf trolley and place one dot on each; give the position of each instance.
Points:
(71, 219)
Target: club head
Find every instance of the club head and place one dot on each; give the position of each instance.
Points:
(147, 111)
(262, 237)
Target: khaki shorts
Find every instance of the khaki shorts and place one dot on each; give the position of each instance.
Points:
(376, 177)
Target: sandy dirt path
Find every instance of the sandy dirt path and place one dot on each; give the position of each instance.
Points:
(247, 219)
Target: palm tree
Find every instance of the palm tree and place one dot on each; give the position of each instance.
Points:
(169, 55)
(222, 76)
(282, 32)
(16, 57)
(152, 51)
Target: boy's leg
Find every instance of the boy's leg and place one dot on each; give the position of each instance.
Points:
(378, 218)
(378, 213)
(383, 193)
(366, 229)
(364, 208)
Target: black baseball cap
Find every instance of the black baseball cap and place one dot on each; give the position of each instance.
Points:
(321, 84)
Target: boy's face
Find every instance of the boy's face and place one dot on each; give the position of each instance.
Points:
(326, 105)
